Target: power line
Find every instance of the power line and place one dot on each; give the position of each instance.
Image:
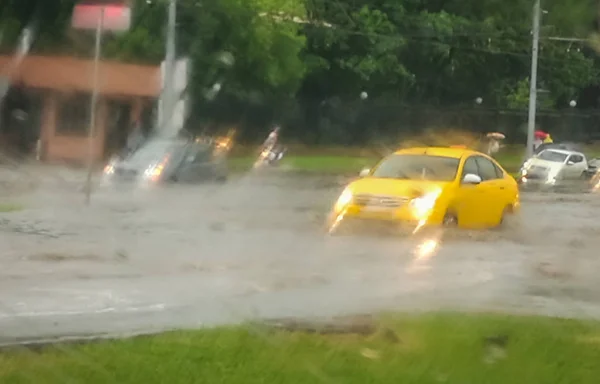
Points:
(567, 39)
(432, 41)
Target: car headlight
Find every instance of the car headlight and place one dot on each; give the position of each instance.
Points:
(424, 205)
(525, 167)
(344, 199)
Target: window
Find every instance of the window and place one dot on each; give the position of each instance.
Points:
(73, 115)
(487, 169)
(499, 171)
(202, 154)
(152, 152)
(417, 167)
(470, 167)
(576, 159)
(549, 155)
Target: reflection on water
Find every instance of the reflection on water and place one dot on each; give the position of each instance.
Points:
(426, 249)
(423, 253)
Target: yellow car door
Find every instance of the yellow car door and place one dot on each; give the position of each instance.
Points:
(469, 198)
(495, 191)
(509, 189)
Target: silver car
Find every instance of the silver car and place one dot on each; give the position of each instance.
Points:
(170, 160)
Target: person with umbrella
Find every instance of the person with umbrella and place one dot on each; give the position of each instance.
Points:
(541, 137)
(493, 139)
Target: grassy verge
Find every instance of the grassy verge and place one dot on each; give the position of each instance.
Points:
(342, 164)
(352, 160)
(434, 348)
(312, 163)
(10, 207)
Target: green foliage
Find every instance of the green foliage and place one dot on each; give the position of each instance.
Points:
(426, 52)
(519, 96)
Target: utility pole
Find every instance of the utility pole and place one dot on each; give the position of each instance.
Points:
(93, 105)
(533, 79)
(100, 16)
(169, 101)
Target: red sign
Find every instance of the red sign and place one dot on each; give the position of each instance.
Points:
(117, 17)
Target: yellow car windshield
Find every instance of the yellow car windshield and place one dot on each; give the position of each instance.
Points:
(417, 167)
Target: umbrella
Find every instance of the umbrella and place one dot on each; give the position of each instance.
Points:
(496, 136)
(540, 134)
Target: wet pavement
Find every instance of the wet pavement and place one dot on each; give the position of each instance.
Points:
(141, 260)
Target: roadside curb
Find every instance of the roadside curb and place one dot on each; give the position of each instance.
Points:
(67, 340)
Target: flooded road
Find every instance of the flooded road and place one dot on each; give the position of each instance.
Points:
(184, 256)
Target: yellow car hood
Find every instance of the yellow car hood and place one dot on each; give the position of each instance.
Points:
(395, 187)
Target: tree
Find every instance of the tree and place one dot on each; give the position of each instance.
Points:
(255, 57)
(448, 51)
(356, 46)
(49, 20)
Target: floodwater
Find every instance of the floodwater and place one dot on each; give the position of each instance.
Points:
(141, 260)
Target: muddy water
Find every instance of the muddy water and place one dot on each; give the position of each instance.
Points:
(181, 256)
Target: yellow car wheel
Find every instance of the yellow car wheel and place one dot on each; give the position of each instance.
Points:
(450, 220)
(507, 216)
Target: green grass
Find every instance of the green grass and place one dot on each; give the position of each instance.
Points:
(10, 207)
(330, 164)
(352, 160)
(346, 164)
(434, 348)
(511, 161)
(311, 163)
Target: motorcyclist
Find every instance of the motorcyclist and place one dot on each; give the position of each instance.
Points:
(271, 140)
(270, 144)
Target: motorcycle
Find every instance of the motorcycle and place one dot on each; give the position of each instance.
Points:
(270, 156)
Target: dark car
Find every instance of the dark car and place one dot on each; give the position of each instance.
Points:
(170, 160)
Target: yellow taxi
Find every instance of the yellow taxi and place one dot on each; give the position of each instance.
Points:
(431, 186)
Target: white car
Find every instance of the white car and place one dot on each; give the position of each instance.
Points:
(552, 166)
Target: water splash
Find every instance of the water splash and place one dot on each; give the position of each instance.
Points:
(25, 42)
(22, 50)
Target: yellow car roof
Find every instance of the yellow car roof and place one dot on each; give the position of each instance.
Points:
(456, 152)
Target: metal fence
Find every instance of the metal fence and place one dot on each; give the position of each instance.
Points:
(362, 122)
(354, 124)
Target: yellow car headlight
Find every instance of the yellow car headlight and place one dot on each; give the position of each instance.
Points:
(344, 200)
(424, 205)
